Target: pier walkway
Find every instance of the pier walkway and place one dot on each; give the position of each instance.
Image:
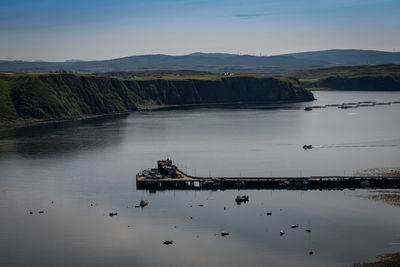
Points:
(170, 177)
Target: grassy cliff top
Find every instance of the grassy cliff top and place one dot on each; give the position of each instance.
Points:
(181, 75)
(156, 75)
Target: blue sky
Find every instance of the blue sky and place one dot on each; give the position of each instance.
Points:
(58, 30)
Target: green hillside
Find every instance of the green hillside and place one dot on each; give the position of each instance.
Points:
(379, 78)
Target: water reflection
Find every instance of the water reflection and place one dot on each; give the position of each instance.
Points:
(344, 229)
(63, 138)
(75, 164)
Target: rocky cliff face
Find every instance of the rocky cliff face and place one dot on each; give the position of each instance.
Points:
(56, 96)
(234, 89)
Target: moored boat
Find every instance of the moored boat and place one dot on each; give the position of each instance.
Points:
(364, 183)
(144, 203)
(210, 184)
(242, 198)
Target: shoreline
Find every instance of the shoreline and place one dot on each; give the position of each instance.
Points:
(388, 260)
(217, 104)
(28, 123)
(141, 108)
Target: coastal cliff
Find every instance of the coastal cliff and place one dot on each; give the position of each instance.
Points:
(61, 96)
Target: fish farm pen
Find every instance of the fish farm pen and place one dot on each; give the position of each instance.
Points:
(168, 176)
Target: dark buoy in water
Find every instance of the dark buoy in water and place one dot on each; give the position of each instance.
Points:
(224, 208)
(311, 252)
(52, 202)
(30, 212)
(191, 217)
(144, 203)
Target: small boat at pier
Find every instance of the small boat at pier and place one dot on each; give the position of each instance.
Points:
(365, 183)
(210, 184)
(241, 184)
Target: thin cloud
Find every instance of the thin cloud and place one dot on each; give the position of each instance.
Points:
(250, 15)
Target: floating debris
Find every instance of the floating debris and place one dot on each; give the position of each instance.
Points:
(144, 203)
(129, 226)
(168, 242)
(269, 213)
(200, 205)
(41, 211)
(308, 230)
(113, 214)
(137, 206)
(294, 226)
(311, 252)
(224, 233)
(281, 233)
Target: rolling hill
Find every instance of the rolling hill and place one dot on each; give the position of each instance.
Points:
(213, 62)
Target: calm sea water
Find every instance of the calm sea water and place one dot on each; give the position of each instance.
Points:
(76, 164)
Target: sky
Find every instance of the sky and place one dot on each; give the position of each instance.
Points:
(59, 30)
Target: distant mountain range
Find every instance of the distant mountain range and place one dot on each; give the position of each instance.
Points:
(213, 62)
